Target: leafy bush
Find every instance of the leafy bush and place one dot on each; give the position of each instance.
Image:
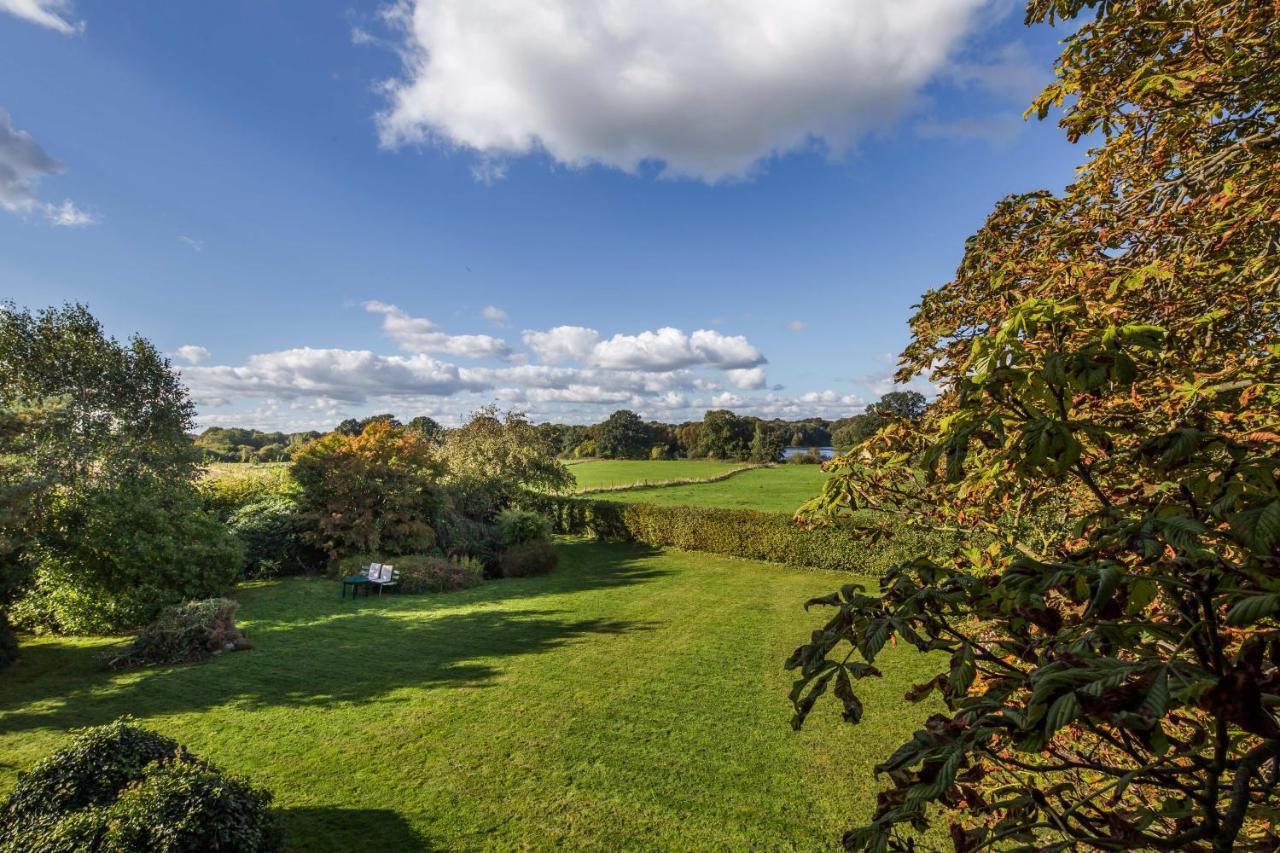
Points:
(465, 537)
(517, 526)
(183, 634)
(272, 532)
(529, 560)
(374, 491)
(190, 805)
(115, 555)
(437, 574)
(772, 537)
(120, 787)
(91, 771)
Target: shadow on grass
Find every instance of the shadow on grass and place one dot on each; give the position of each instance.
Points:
(313, 648)
(327, 828)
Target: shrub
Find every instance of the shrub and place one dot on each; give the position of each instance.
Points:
(660, 451)
(772, 537)
(189, 632)
(437, 574)
(272, 532)
(529, 559)
(120, 788)
(465, 537)
(420, 573)
(375, 491)
(91, 771)
(518, 526)
(117, 554)
(191, 805)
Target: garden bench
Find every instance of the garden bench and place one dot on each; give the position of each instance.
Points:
(384, 578)
(374, 574)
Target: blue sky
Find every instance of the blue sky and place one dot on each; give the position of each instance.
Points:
(663, 206)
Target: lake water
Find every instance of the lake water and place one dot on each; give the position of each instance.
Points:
(827, 452)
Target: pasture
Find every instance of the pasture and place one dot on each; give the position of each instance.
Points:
(779, 489)
(633, 694)
(599, 473)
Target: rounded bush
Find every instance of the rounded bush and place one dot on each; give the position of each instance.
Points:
(90, 772)
(120, 787)
(189, 805)
(529, 559)
(517, 526)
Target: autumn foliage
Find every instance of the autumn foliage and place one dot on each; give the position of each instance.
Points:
(1109, 428)
(375, 492)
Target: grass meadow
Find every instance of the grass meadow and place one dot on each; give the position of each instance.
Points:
(634, 694)
(779, 489)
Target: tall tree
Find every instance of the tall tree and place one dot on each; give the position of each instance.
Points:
(1109, 434)
(724, 435)
(125, 411)
(375, 491)
(623, 435)
(766, 443)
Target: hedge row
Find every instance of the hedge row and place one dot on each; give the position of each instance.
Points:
(772, 537)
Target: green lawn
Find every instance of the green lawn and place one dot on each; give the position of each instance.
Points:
(595, 473)
(780, 489)
(633, 699)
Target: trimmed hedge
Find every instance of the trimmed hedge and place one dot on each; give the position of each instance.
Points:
(772, 537)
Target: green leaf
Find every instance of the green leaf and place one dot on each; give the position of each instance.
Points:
(1108, 578)
(1065, 709)
(1249, 610)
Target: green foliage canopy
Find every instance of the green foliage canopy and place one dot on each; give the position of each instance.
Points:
(1110, 362)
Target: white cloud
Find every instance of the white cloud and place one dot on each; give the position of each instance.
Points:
(659, 351)
(191, 353)
(418, 334)
(746, 378)
(797, 325)
(669, 349)
(706, 89)
(496, 316)
(563, 343)
(67, 215)
(46, 13)
(192, 242)
(346, 375)
(22, 164)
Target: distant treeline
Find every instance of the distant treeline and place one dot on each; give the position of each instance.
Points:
(721, 434)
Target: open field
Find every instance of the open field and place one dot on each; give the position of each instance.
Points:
(780, 489)
(633, 695)
(595, 473)
(266, 471)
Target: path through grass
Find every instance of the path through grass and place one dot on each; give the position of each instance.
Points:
(634, 698)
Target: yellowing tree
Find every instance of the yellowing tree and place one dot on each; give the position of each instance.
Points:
(1109, 431)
